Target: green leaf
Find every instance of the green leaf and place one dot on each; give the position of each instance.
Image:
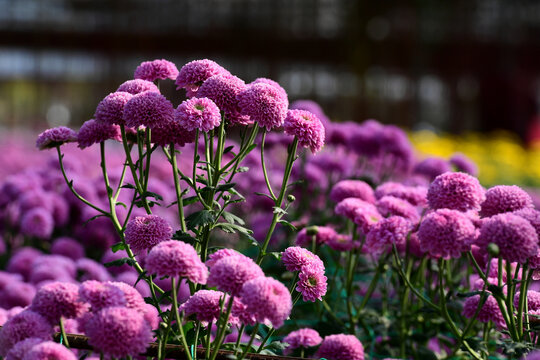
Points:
(231, 218)
(263, 194)
(118, 246)
(227, 149)
(468, 294)
(278, 210)
(276, 346)
(242, 169)
(225, 187)
(147, 194)
(185, 237)
(288, 224)
(120, 262)
(275, 254)
(128, 186)
(199, 218)
(121, 204)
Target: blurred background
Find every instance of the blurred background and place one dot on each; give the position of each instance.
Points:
(441, 69)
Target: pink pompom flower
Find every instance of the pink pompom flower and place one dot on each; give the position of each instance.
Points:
(54, 137)
(206, 305)
(307, 128)
(295, 257)
(223, 90)
(49, 350)
(198, 114)
(385, 233)
(58, 299)
(457, 191)
(156, 69)
(503, 198)
(305, 338)
(352, 189)
(145, 232)
(137, 86)
(312, 283)
(341, 347)
(193, 74)
(110, 110)
(264, 104)
(24, 325)
(230, 273)
(93, 132)
(148, 109)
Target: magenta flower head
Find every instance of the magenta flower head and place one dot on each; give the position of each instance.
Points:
(342, 242)
(302, 338)
(312, 107)
(515, 236)
(347, 207)
(446, 233)
(341, 347)
(230, 273)
(105, 327)
(295, 257)
(463, 164)
(49, 350)
(24, 325)
(172, 132)
(54, 137)
(490, 311)
(93, 132)
(101, 295)
(57, 299)
(264, 104)
(267, 300)
(67, 247)
(198, 114)
(432, 167)
(220, 254)
(457, 191)
(223, 90)
(137, 86)
(533, 355)
(37, 222)
(145, 232)
(352, 189)
(89, 269)
(306, 127)
(205, 304)
(156, 69)
(193, 74)
(176, 258)
(274, 84)
(504, 198)
(390, 205)
(533, 300)
(111, 109)
(148, 109)
(365, 216)
(388, 231)
(416, 195)
(311, 283)
(532, 215)
(134, 299)
(321, 235)
(20, 349)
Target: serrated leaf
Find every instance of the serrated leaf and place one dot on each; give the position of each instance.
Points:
(185, 237)
(231, 218)
(199, 218)
(234, 228)
(118, 246)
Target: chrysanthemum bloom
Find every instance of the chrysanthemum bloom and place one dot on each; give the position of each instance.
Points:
(134, 300)
(223, 90)
(432, 167)
(145, 232)
(137, 86)
(311, 283)
(347, 207)
(314, 108)
(206, 305)
(20, 349)
(220, 254)
(193, 74)
(16, 293)
(101, 295)
(172, 132)
(352, 189)
(515, 236)
(119, 332)
(49, 350)
(93, 132)
(458, 191)
(230, 273)
(198, 113)
(390, 205)
(342, 242)
(156, 69)
(302, 338)
(53, 137)
(388, 231)
(274, 84)
(148, 109)
(489, 312)
(176, 258)
(241, 314)
(321, 235)
(67, 247)
(446, 233)
(416, 195)
(22, 261)
(295, 257)
(266, 105)
(504, 198)
(533, 355)
(365, 216)
(37, 222)
(532, 215)
(464, 164)
(267, 300)
(364, 139)
(25, 325)
(306, 127)
(110, 110)
(89, 269)
(341, 347)
(533, 300)
(56, 300)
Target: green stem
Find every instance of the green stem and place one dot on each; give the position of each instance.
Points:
(178, 320)
(208, 342)
(63, 332)
(179, 200)
(239, 338)
(221, 335)
(263, 164)
(252, 337)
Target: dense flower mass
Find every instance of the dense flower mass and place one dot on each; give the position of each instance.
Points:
(57, 299)
(137, 86)
(54, 137)
(387, 232)
(148, 109)
(205, 305)
(93, 132)
(144, 232)
(311, 283)
(25, 325)
(501, 199)
(341, 347)
(230, 273)
(294, 258)
(193, 74)
(111, 109)
(304, 337)
(198, 114)
(156, 69)
(352, 189)
(49, 350)
(456, 191)
(267, 106)
(306, 127)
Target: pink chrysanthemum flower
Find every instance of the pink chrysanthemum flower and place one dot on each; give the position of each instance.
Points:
(365, 216)
(533, 355)
(446, 233)
(295, 257)
(104, 328)
(37, 222)
(111, 109)
(347, 207)
(307, 128)
(230, 273)
(489, 312)
(462, 163)
(89, 269)
(68, 247)
(54, 137)
(388, 231)
(148, 109)
(341, 347)
(220, 254)
(302, 338)
(416, 195)
(93, 132)
(533, 300)
(101, 295)
(58, 299)
(156, 69)
(20, 349)
(24, 325)
(176, 258)
(274, 84)
(172, 132)
(311, 283)
(241, 313)
(532, 215)
(321, 235)
(198, 113)
(49, 350)
(145, 232)
(515, 236)
(342, 242)
(390, 205)
(457, 191)
(223, 90)
(267, 300)
(137, 86)
(193, 74)
(503, 198)
(264, 104)
(206, 305)
(352, 189)
(134, 299)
